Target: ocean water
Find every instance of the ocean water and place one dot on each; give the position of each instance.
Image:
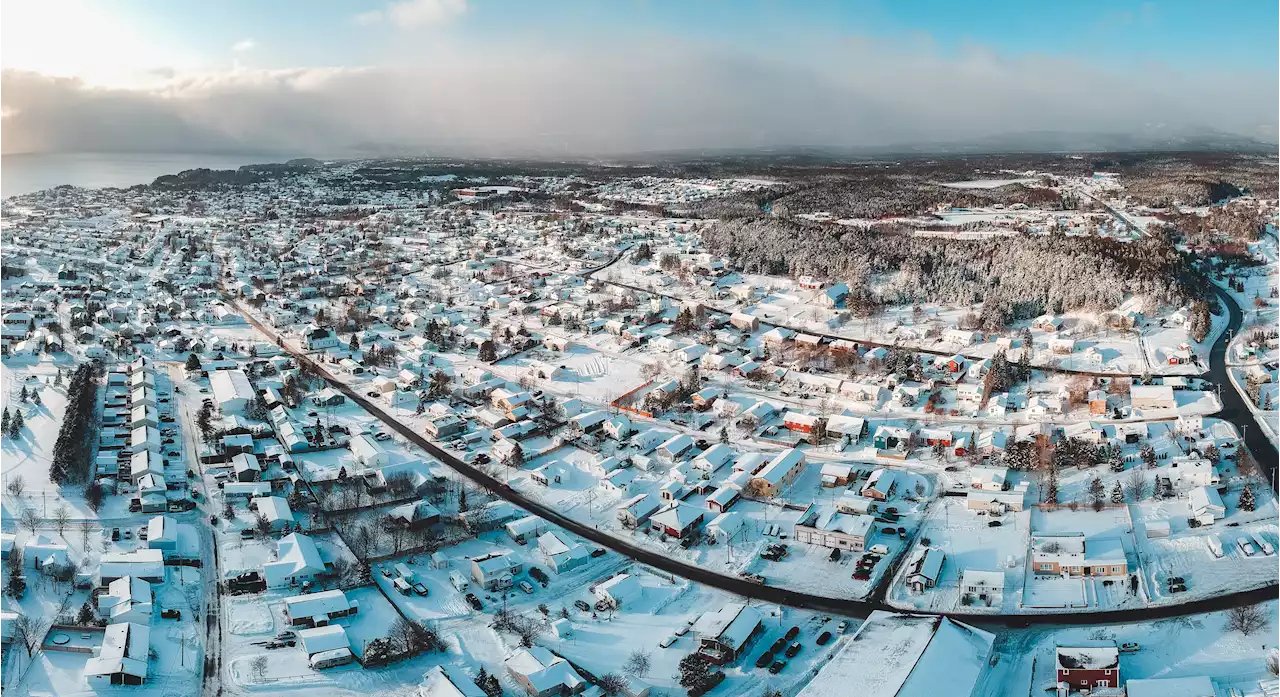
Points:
(23, 174)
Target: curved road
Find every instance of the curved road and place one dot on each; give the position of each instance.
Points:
(765, 593)
(1234, 408)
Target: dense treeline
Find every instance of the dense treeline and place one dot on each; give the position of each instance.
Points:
(1014, 277)
(71, 452)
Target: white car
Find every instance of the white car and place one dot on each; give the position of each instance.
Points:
(666, 643)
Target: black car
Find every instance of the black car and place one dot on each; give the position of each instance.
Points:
(994, 523)
(582, 605)
(777, 667)
(778, 645)
(826, 637)
(115, 534)
(835, 555)
(793, 633)
(765, 659)
(474, 601)
(171, 614)
(793, 649)
(599, 552)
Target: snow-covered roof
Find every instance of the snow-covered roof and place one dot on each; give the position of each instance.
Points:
(327, 638)
(1087, 657)
(731, 625)
(323, 603)
(447, 681)
(544, 670)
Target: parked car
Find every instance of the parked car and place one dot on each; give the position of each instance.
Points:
(286, 635)
(842, 627)
(539, 575)
(994, 523)
(115, 534)
(525, 586)
(824, 638)
(777, 667)
(765, 659)
(474, 601)
(128, 534)
(246, 534)
(171, 614)
(142, 533)
(420, 589)
(793, 650)
(582, 605)
(834, 556)
(667, 642)
(1129, 647)
(793, 633)
(778, 645)
(599, 552)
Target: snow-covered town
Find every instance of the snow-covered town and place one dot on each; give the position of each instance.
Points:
(433, 428)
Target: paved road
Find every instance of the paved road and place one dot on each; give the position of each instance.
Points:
(1234, 408)
(765, 593)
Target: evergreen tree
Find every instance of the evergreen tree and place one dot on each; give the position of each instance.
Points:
(4, 421)
(192, 363)
(1117, 493)
(1051, 487)
(724, 435)
(1247, 502)
(354, 344)
(15, 424)
(23, 396)
(1097, 493)
(35, 398)
(1116, 460)
(488, 353)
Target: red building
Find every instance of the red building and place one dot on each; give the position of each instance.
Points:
(1089, 666)
(799, 421)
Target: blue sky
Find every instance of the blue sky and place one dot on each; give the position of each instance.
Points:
(570, 76)
(292, 33)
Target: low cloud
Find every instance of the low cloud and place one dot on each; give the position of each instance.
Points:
(528, 99)
(416, 13)
(243, 45)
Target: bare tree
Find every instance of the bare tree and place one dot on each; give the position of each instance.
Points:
(638, 663)
(86, 531)
(16, 486)
(61, 519)
(1136, 485)
(258, 666)
(1246, 619)
(29, 519)
(1273, 662)
(28, 632)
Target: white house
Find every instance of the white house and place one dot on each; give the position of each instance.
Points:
(297, 560)
(619, 590)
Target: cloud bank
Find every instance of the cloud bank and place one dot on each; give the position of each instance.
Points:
(553, 99)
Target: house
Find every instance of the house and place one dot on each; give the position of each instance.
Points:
(448, 681)
(846, 425)
(713, 458)
(524, 529)
(891, 438)
(562, 556)
(245, 467)
(998, 502)
(1071, 555)
(617, 427)
(1206, 505)
(548, 473)
(231, 390)
(122, 657)
(544, 674)
(415, 515)
(328, 397)
(318, 609)
(634, 512)
(367, 451)
(619, 590)
(162, 534)
(723, 498)
(127, 599)
(801, 422)
(495, 571)
(981, 587)
(988, 478)
(924, 568)
(297, 560)
(1152, 397)
(275, 509)
(744, 321)
(43, 553)
(881, 484)
(675, 448)
(677, 519)
(1088, 667)
(146, 564)
(724, 634)
(836, 474)
(320, 338)
(326, 646)
(780, 472)
(827, 526)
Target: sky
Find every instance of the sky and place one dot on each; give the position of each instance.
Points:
(609, 77)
